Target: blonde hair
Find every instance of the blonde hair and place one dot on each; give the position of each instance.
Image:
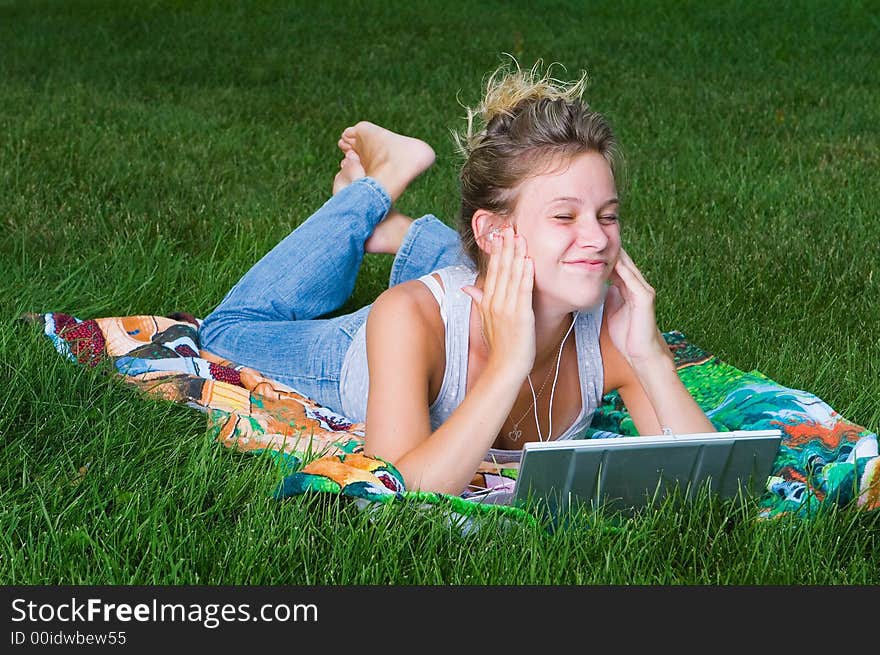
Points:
(525, 123)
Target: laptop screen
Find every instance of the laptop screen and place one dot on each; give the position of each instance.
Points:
(627, 473)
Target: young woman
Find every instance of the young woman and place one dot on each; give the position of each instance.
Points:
(510, 331)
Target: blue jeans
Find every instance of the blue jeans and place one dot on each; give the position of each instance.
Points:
(270, 320)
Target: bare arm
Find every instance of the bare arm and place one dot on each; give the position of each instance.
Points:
(398, 349)
(398, 422)
(654, 394)
(638, 361)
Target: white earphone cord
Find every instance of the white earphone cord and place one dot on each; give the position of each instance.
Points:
(552, 389)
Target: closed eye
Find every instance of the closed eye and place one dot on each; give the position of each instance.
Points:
(607, 219)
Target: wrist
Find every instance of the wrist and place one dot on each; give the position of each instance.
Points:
(503, 368)
(660, 363)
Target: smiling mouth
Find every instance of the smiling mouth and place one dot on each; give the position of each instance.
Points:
(587, 265)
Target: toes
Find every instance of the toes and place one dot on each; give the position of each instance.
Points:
(351, 164)
(351, 159)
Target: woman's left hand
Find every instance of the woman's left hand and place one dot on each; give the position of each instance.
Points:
(629, 311)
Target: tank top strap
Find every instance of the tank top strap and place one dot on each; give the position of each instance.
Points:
(437, 291)
(454, 307)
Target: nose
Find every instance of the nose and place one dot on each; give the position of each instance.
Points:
(590, 234)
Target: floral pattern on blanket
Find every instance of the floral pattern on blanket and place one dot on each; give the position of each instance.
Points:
(824, 459)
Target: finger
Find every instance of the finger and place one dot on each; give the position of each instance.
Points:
(631, 285)
(613, 300)
(617, 282)
(504, 265)
(632, 266)
(634, 292)
(527, 284)
(492, 269)
(516, 273)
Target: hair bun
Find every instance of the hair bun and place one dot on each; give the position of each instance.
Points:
(508, 88)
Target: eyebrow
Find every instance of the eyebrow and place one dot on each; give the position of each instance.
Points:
(578, 201)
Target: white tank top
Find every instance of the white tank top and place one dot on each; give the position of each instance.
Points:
(455, 308)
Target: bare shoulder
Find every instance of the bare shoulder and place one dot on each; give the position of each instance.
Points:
(414, 302)
(401, 358)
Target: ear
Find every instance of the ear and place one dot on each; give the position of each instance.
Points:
(482, 223)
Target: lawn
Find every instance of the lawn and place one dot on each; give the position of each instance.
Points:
(151, 152)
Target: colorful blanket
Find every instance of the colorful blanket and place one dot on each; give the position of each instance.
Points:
(824, 459)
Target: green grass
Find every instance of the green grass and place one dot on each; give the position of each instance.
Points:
(151, 152)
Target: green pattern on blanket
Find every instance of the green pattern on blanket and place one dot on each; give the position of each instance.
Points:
(823, 459)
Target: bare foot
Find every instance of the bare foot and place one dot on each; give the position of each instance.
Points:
(388, 234)
(391, 159)
(350, 169)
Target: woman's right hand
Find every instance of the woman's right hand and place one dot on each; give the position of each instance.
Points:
(505, 303)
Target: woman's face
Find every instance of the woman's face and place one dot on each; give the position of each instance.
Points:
(570, 221)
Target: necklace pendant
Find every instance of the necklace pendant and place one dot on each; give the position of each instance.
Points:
(514, 434)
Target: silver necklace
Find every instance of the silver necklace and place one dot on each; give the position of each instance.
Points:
(552, 389)
(516, 433)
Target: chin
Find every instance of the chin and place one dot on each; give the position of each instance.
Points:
(592, 302)
(583, 300)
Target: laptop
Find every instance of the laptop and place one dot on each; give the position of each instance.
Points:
(625, 474)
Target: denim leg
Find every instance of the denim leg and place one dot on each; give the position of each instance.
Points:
(306, 355)
(429, 244)
(268, 321)
(313, 270)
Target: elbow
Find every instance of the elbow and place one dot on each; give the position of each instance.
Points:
(418, 477)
